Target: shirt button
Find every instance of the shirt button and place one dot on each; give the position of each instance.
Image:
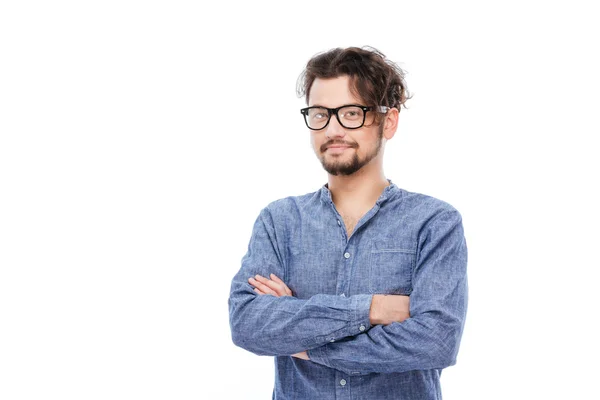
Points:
(343, 382)
(332, 340)
(347, 255)
(361, 328)
(339, 223)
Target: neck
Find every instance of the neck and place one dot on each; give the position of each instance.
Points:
(362, 188)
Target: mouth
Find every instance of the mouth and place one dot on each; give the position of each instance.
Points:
(337, 149)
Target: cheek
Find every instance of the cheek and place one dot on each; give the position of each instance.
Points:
(314, 141)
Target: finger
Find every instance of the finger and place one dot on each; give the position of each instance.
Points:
(258, 291)
(303, 355)
(286, 289)
(276, 279)
(263, 288)
(280, 290)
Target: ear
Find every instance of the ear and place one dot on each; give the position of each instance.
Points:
(390, 123)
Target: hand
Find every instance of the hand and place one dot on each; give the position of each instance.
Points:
(386, 309)
(303, 355)
(278, 288)
(273, 286)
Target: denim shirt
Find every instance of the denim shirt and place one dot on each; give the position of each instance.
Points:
(408, 244)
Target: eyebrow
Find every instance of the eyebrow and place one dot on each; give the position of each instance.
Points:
(346, 104)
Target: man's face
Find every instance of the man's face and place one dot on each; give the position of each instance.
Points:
(342, 151)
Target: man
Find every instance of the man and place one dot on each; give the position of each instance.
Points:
(359, 289)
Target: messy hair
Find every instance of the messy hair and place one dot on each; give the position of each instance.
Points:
(373, 78)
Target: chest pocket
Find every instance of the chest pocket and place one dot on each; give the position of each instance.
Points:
(391, 269)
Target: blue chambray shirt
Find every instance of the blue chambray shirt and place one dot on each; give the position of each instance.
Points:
(408, 244)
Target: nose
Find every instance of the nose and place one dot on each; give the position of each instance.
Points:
(334, 129)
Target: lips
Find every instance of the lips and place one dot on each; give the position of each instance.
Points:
(336, 147)
(337, 150)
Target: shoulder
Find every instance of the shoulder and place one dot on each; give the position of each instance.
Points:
(423, 209)
(426, 203)
(291, 206)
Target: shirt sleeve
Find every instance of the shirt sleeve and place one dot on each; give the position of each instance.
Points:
(430, 338)
(270, 325)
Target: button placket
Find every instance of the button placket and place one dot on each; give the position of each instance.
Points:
(342, 385)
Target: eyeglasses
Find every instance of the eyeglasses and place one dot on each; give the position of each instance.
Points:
(351, 116)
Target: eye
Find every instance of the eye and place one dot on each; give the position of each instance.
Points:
(352, 113)
(317, 114)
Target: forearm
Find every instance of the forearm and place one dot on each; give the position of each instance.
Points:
(422, 342)
(383, 310)
(430, 338)
(269, 325)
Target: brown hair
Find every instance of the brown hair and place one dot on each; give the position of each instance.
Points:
(373, 78)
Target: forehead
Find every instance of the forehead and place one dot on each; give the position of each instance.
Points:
(332, 92)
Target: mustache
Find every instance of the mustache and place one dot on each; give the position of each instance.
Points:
(325, 145)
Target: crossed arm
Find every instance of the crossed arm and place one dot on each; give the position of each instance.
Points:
(384, 309)
(351, 334)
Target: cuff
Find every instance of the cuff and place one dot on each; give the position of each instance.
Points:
(359, 313)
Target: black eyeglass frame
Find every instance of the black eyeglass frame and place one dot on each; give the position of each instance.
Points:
(330, 111)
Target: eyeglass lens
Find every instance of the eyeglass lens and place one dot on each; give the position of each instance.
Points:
(349, 117)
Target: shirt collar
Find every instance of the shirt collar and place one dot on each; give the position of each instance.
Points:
(386, 194)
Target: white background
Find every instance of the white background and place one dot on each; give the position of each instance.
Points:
(133, 162)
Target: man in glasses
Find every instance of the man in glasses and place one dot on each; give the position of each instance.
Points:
(359, 289)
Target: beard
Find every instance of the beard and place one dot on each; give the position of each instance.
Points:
(337, 167)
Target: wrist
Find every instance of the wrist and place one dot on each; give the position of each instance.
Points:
(374, 312)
